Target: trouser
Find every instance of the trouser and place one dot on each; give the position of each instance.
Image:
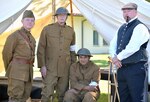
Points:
(73, 95)
(131, 82)
(18, 90)
(51, 82)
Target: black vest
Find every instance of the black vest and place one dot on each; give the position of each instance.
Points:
(124, 36)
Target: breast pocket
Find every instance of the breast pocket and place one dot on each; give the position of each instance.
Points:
(67, 41)
(23, 48)
(52, 40)
(23, 43)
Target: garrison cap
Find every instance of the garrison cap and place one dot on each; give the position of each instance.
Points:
(28, 14)
(130, 6)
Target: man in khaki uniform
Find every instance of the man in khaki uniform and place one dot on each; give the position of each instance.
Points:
(84, 79)
(18, 57)
(56, 51)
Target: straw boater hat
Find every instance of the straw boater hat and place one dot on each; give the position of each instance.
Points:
(28, 14)
(130, 6)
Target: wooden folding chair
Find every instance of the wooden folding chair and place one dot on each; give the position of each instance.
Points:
(112, 81)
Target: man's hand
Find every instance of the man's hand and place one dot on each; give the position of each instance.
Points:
(91, 88)
(43, 71)
(117, 62)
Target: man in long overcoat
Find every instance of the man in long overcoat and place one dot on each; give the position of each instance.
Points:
(56, 52)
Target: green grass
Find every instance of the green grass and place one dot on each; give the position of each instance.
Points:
(103, 98)
(101, 63)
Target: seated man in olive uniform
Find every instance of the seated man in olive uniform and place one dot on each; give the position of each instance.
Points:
(84, 79)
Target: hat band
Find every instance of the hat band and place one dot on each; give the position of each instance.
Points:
(129, 9)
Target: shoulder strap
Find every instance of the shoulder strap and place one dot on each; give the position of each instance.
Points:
(27, 39)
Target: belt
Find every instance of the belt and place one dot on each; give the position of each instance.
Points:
(22, 61)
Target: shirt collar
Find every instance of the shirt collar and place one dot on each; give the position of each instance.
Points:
(24, 30)
(61, 25)
(86, 65)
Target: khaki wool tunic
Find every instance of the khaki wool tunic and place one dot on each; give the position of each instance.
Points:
(82, 75)
(54, 49)
(16, 47)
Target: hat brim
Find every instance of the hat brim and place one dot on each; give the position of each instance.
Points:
(84, 55)
(60, 14)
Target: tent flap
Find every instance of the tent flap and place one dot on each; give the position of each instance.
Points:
(106, 16)
(11, 12)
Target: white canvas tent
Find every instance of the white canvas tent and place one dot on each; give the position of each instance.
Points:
(10, 10)
(104, 15)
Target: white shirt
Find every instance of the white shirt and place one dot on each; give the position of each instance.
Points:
(139, 37)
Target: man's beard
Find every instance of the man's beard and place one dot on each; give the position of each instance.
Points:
(128, 19)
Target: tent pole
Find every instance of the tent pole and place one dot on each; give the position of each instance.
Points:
(53, 10)
(71, 14)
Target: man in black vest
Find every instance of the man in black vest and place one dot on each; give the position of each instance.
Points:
(128, 52)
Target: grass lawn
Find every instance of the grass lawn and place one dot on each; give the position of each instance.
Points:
(101, 63)
(103, 98)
